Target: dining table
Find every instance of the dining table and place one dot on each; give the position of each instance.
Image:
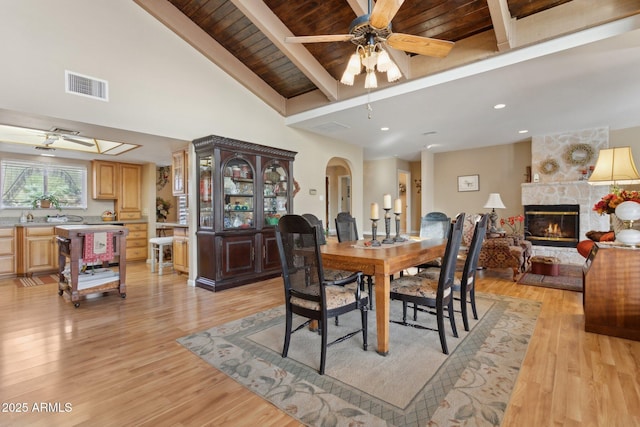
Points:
(381, 262)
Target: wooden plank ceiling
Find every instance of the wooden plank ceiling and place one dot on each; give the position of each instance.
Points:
(253, 32)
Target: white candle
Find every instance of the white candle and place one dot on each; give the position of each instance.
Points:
(374, 211)
(398, 206)
(387, 201)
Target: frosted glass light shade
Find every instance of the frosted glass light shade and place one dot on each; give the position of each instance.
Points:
(628, 211)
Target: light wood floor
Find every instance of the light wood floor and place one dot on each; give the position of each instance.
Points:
(116, 361)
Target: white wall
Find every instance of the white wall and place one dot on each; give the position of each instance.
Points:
(158, 84)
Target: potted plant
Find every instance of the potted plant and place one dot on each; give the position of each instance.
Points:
(46, 201)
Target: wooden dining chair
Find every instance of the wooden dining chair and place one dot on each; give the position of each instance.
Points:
(465, 281)
(434, 294)
(308, 293)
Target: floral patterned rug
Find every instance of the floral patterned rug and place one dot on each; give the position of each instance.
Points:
(416, 384)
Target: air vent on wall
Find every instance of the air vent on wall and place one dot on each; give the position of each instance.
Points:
(86, 86)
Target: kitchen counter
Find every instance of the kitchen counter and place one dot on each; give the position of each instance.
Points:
(41, 222)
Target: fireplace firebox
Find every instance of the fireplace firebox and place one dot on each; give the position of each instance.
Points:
(552, 225)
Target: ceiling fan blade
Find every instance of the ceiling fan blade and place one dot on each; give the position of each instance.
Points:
(78, 141)
(383, 12)
(319, 39)
(420, 45)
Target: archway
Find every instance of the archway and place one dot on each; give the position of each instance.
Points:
(338, 190)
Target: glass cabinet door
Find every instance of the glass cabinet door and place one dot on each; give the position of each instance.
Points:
(205, 193)
(275, 192)
(238, 194)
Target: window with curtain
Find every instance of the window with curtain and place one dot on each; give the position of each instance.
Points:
(23, 181)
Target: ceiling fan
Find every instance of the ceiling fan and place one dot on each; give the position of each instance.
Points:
(50, 138)
(368, 32)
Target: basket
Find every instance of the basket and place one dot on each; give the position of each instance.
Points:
(108, 217)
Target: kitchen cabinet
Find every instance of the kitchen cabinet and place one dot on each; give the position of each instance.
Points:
(137, 242)
(7, 251)
(181, 249)
(128, 204)
(105, 180)
(121, 182)
(243, 189)
(38, 250)
(179, 173)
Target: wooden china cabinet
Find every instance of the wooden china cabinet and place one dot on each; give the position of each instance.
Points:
(243, 189)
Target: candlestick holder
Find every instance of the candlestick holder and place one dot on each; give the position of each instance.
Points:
(374, 231)
(387, 227)
(398, 238)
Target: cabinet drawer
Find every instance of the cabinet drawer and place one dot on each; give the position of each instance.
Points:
(134, 254)
(133, 235)
(39, 231)
(7, 232)
(129, 215)
(137, 243)
(180, 232)
(137, 227)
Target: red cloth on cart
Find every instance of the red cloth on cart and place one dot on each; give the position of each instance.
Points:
(98, 247)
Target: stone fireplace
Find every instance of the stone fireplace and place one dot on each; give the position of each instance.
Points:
(564, 184)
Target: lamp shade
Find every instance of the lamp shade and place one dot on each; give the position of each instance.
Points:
(494, 202)
(615, 166)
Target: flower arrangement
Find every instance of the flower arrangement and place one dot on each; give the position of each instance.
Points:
(609, 203)
(162, 209)
(514, 223)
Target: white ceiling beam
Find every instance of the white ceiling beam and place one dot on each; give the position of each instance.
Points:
(177, 22)
(263, 18)
(502, 23)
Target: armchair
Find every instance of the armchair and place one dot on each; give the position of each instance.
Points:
(505, 252)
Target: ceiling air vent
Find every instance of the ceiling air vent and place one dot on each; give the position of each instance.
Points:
(86, 86)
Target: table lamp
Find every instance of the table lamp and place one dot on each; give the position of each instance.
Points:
(614, 167)
(494, 202)
(628, 212)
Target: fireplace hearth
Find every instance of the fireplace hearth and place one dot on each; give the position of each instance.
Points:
(552, 225)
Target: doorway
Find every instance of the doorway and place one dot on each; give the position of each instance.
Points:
(338, 191)
(404, 178)
(344, 193)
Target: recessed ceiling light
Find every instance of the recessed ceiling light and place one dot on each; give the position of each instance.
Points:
(433, 146)
(523, 131)
(47, 155)
(499, 106)
(384, 128)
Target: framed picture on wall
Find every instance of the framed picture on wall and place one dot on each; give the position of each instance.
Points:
(469, 183)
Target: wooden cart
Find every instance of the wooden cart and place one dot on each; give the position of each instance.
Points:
(70, 240)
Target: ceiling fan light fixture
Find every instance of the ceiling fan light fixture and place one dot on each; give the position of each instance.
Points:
(393, 73)
(370, 82)
(347, 78)
(354, 67)
(384, 61)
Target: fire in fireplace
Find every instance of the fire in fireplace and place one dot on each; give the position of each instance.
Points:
(552, 225)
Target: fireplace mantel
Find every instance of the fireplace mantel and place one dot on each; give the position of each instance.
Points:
(568, 192)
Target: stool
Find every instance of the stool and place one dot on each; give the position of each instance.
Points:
(545, 265)
(156, 249)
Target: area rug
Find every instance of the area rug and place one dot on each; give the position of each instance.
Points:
(416, 384)
(570, 279)
(27, 282)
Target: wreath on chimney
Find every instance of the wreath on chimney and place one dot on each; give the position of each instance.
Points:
(578, 154)
(549, 167)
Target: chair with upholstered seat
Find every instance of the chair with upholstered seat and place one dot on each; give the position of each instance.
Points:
(434, 294)
(332, 274)
(346, 228)
(464, 282)
(308, 293)
(434, 225)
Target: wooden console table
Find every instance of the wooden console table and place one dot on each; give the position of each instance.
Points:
(611, 295)
(71, 240)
